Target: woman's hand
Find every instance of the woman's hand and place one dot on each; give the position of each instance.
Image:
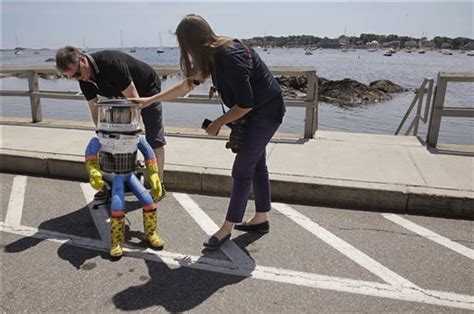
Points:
(214, 128)
(142, 102)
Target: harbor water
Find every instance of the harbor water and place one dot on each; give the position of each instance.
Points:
(405, 69)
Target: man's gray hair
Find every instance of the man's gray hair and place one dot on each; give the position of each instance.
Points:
(66, 56)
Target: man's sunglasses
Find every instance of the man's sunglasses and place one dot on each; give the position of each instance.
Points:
(78, 73)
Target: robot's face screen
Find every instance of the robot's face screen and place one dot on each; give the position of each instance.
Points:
(116, 115)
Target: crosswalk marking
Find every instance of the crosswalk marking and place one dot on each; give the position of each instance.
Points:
(15, 203)
(261, 272)
(422, 231)
(345, 248)
(209, 226)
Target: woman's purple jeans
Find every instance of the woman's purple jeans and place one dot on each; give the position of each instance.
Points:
(250, 167)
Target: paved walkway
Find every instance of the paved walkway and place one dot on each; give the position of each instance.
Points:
(350, 170)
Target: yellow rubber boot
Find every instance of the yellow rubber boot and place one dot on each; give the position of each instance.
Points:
(150, 220)
(117, 233)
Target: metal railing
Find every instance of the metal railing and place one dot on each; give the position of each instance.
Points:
(434, 106)
(310, 103)
(439, 110)
(420, 93)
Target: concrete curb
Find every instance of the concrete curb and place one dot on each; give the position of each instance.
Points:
(309, 190)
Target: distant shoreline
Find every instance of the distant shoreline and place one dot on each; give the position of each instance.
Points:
(364, 40)
(258, 46)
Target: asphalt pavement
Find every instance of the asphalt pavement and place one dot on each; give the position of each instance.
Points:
(315, 259)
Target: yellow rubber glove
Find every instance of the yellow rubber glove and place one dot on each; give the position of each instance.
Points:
(95, 177)
(154, 180)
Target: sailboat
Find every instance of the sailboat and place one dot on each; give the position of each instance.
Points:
(265, 48)
(84, 46)
(18, 49)
(121, 41)
(420, 45)
(160, 50)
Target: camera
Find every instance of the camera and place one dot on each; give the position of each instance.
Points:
(205, 123)
(237, 134)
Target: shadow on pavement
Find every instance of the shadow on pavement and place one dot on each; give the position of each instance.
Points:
(78, 223)
(179, 289)
(176, 289)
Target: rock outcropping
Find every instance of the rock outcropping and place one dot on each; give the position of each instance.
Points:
(346, 92)
(387, 86)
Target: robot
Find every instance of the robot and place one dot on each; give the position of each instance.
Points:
(111, 160)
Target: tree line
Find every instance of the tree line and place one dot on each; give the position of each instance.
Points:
(437, 42)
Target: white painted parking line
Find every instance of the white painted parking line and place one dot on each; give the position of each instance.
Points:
(412, 294)
(345, 248)
(422, 231)
(15, 203)
(229, 248)
(99, 215)
(193, 209)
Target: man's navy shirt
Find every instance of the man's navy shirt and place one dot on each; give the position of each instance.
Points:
(248, 84)
(114, 71)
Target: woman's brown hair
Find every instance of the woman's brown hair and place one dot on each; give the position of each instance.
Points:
(198, 44)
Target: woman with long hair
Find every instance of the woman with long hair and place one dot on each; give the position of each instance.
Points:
(248, 88)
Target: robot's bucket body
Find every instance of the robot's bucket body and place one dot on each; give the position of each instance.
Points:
(117, 129)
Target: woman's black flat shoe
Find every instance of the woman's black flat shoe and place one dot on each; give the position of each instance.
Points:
(263, 227)
(214, 243)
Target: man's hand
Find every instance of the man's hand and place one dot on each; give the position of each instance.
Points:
(142, 102)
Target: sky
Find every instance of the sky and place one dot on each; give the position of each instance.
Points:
(53, 24)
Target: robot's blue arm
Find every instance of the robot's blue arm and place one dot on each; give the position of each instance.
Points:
(145, 148)
(92, 149)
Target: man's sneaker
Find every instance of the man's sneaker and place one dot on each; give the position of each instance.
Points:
(141, 178)
(101, 195)
(163, 193)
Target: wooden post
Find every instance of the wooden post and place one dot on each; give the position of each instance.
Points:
(35, 102)
(316, 106)
(418, 112)
(436, 112)
(428, 101)
(311, 114)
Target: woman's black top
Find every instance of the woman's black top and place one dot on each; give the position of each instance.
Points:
(243, 79)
